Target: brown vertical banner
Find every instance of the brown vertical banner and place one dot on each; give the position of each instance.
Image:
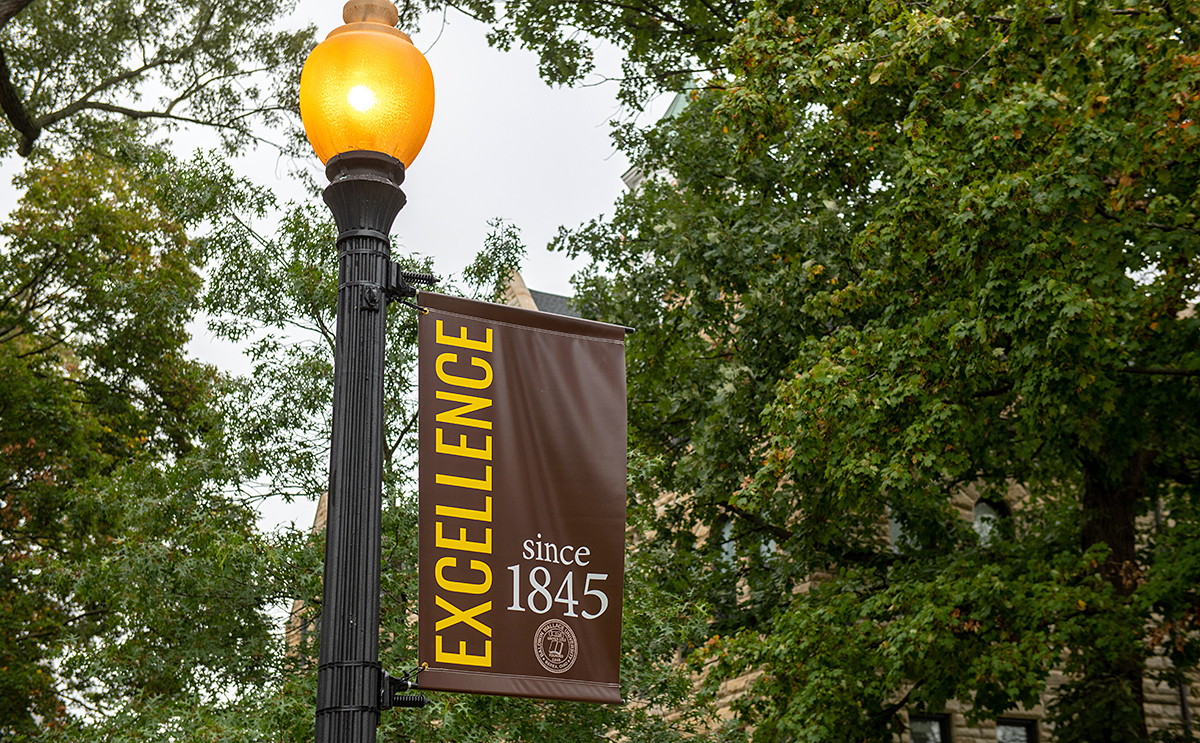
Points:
(522, 501)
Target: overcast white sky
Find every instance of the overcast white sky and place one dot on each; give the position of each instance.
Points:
(503, 144)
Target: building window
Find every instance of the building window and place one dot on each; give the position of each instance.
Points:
(984, 516)
(1016, 731)
(896, 534)
(929, 728)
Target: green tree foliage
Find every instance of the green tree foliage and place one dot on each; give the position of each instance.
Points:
(665, 42)
(72, 69)
(489, 274)
(899, 253)
(127, 572)
(279, 292)
(139, 597)
(135, 581)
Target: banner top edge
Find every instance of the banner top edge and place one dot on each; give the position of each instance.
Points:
(521, 317)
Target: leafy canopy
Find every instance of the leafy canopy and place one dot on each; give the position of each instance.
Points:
(74, 69)
(898, 257)
(128, 573)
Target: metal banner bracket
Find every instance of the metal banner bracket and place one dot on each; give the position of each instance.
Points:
(398, 283)
(391, 689)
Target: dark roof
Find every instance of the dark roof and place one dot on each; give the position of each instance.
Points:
(555, 303)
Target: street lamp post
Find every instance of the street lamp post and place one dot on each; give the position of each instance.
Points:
(366, 99)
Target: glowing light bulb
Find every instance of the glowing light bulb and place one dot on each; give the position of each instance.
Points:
(361, 98)
(366, 87)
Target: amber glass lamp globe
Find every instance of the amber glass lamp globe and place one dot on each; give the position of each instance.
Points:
(366, 87)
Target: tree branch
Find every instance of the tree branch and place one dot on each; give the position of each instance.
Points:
(778, 532)
(1000, 389)
(36, 278)
(728, 23)
(1172, 227)
(53, 343)
(9, 10)
(100, 87)
(1160, 370)
(323, 329)
(400, 439)
(84, 101)
(658, 77)
(30, 128)
(1054, 20)
(14, 110)
(890, 711)
(65, 623)
(135, 114)
(648, 10)
(199, 83)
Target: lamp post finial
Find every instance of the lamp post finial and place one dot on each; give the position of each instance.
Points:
(370, 11)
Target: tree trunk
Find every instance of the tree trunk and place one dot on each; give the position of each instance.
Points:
(1112, 490)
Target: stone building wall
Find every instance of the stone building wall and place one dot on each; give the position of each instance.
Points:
(298, 626)
(1163, 709)
(1163, 702)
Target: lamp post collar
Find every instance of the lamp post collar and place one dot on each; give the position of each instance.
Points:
(361, 164)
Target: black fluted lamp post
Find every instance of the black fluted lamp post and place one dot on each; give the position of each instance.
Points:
(366, 99)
